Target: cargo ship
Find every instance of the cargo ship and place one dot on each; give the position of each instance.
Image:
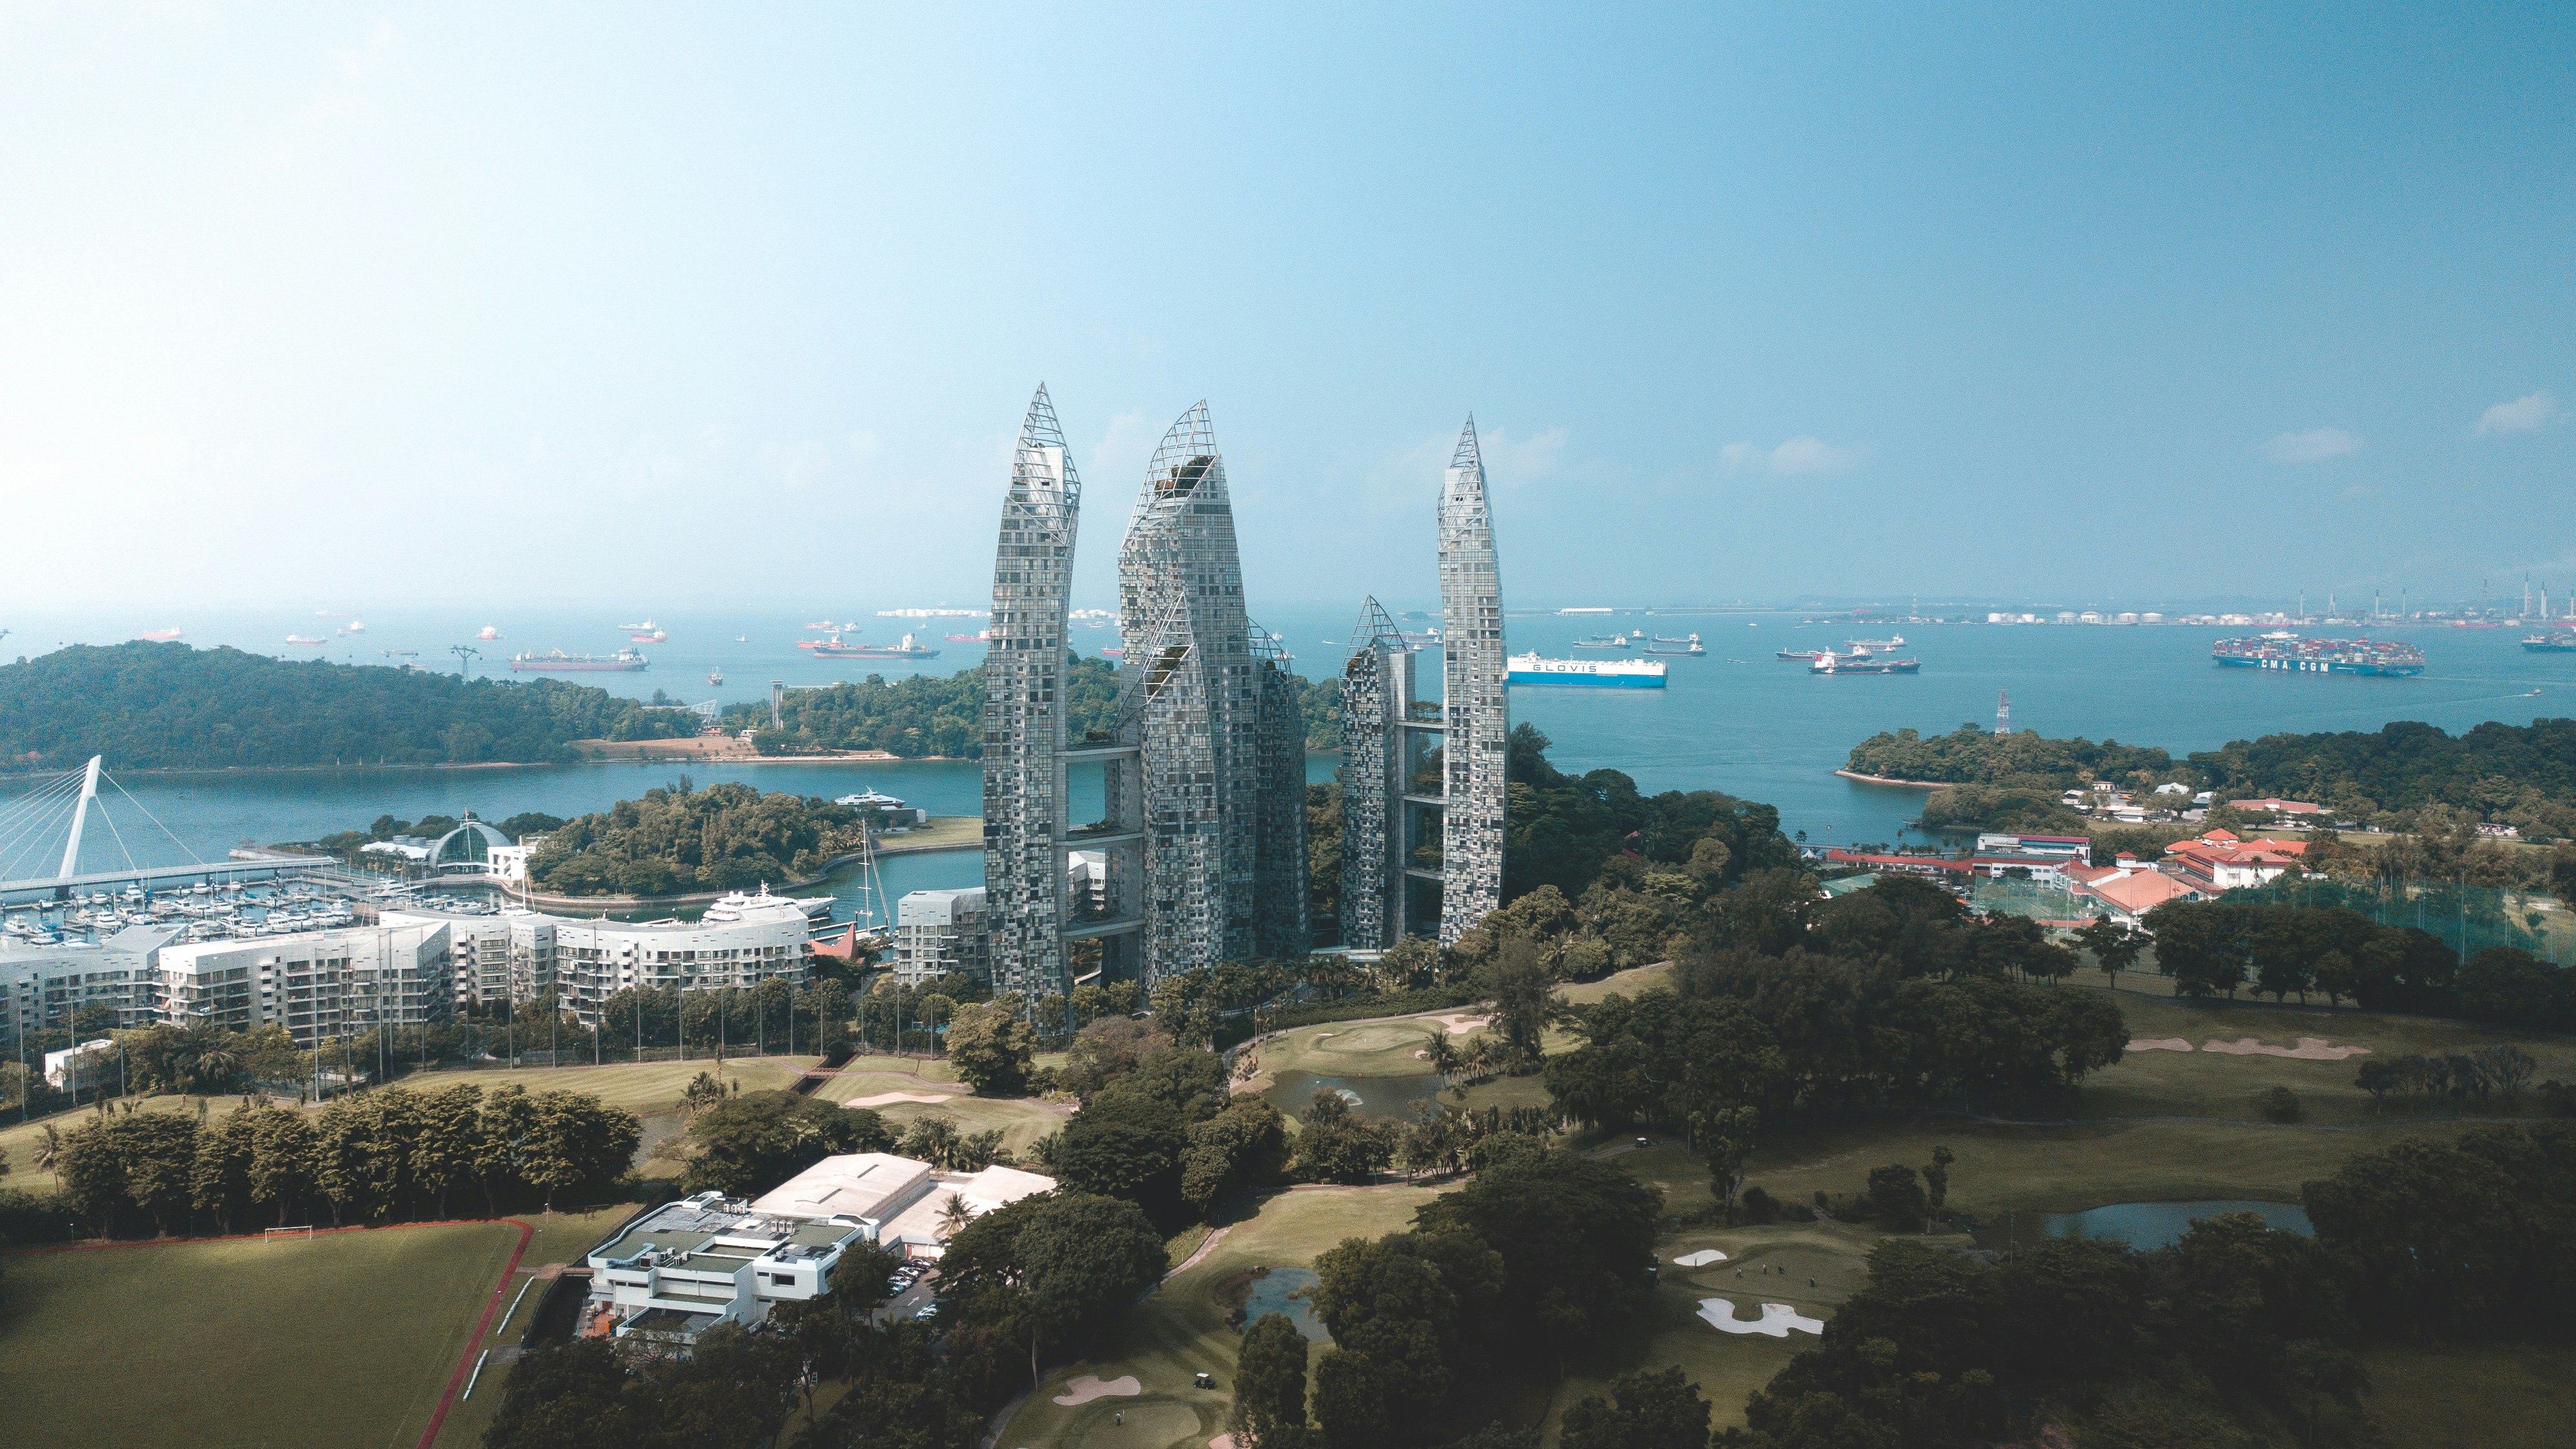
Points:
(1685, 646)
(2561, 640)
(2281, 649)
(1603, 641)
(555, 661)
(1800, 656)
(1863, 661)
(1892, 641)
(647, 632)
(301, 641)
(1591, 673)
(833, 648)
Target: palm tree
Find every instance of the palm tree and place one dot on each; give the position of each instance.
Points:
(1444, 1056)
(954, 1214)
(49, 1147)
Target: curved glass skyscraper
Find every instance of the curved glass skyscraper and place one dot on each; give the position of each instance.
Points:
(1203, 840)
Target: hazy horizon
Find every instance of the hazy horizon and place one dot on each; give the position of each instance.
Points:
(408, 305)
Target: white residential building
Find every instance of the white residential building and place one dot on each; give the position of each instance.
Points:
(936, 932)
(44, 986)
(741, 941)
(319, 985)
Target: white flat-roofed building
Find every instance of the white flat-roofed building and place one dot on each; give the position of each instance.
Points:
(675, 1271)
(741, 941)
(45, 986)
(319, 985)
(936, 932)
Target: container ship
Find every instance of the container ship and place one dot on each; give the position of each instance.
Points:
(833, 648)
(555, 661)
(1863, 661)
(2282, 650)
(2561, 640)
(1591, 673)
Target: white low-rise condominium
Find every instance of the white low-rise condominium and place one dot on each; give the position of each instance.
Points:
(522, 955)
(46, 986)
(319, 985)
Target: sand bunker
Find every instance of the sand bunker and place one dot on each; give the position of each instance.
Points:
(1777, 1320)
(895, 1097)
(1701, 1259)
(2158, 1044)
(2309, 1049)
(1089, 1387)
(1459, 1022)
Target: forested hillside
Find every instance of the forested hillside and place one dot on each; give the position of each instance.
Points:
(926, 715)
(1975, 755)
(151, 705)
(679, 839)
(2520, 775)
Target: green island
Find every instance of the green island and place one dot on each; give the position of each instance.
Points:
(932, 716)
(678, 839)
(2404, 776)
(167, 706)
(1673, 1150)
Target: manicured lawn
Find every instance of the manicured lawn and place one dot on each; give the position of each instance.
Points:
(644, 1088)
(1630, 983)
(2201, 1083)
(1022, 1120)
(1181, 1329)
(560, 1238)
(1373, 1049)
(340, 1340)
(1728, 1367)
(2503, 1396)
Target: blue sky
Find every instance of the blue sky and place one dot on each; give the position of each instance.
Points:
(353, 305)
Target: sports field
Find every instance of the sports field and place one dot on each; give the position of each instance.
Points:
(339, 1341)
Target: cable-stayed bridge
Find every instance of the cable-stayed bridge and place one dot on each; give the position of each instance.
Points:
(48, 822)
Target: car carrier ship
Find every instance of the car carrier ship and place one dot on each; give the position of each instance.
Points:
(2283, 650)
(1590, 673)
(555, 661)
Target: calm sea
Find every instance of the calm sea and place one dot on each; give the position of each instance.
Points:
(1736, 720)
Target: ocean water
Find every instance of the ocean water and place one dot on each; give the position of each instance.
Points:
(1736, 719)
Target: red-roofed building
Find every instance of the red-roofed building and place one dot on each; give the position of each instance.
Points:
(2131, 896)
(2272, 805)
(2219, 861)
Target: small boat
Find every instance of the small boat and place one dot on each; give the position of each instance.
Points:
(742, 638)
(715, 676)
(487, 632)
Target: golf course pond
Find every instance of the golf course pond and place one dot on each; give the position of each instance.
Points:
(1285, 1291)
(2145, 1226)
(1294, 1092)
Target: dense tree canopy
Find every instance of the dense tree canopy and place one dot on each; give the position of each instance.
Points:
(1565, 831)
(147, 705)
(751, 1142)
(678, 839)
(932, 715)
(2522, 775)
(368, 1157)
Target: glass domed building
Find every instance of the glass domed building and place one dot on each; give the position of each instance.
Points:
(467, 850)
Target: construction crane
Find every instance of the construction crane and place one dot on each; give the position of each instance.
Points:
(464, 653)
